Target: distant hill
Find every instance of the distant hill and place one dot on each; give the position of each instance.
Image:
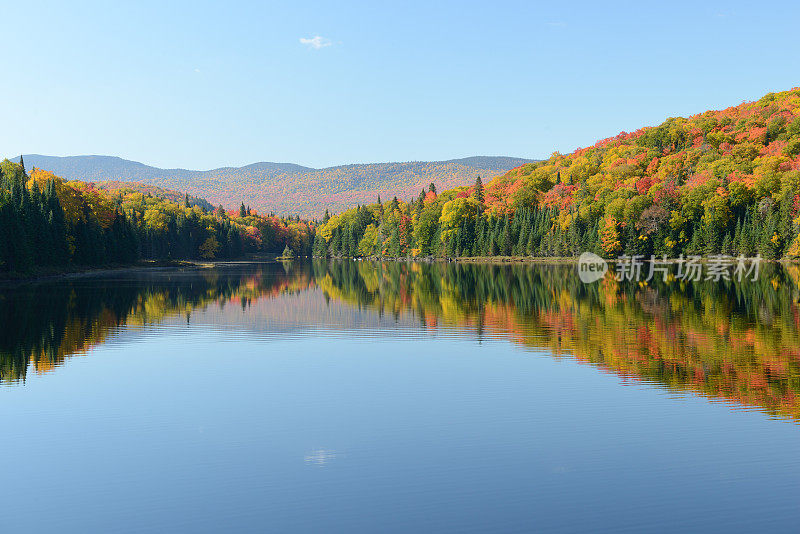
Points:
(284, 187)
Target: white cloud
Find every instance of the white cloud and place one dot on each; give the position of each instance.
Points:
(316, 42)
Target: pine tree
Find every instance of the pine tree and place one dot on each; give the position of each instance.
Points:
(727, 244)
(505, 240)
(748, 235)
(477, 191)
(320, 247)
(573, 239)
(695, 246)
(736, 244)
(769, 240)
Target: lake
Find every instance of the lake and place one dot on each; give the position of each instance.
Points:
(354, 396)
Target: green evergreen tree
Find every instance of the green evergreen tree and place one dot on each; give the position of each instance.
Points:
(727, 244)
(505, 239)
(287, 253)
(477, 191)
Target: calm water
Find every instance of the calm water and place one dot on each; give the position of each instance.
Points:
(350, 397)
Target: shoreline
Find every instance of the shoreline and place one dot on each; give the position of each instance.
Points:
(532, 260)
(79, 272)
(157, 265)
(49, 275)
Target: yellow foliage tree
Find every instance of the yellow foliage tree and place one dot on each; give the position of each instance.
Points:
(209, 248)
(609, 238)
(366, 247)
(456, 211)
(794, 249)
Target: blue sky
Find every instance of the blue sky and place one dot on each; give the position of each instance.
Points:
(201, 85)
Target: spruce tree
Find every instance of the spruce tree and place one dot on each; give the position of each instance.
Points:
(477, 191)
(505, 240)
(727, 244)
(737, 243)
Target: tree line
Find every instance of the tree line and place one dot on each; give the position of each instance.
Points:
(47, 223)
(721, 182)
(450, 225)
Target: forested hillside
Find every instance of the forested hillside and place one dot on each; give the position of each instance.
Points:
(124, 188)
(718, 182)
(284, 188)
(51, 224)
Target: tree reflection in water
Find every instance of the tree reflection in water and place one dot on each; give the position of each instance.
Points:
(736, 341)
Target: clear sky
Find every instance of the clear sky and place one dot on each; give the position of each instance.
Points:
(202, 85)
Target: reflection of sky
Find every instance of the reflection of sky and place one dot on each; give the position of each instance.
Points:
(289, 312)
(447, 434)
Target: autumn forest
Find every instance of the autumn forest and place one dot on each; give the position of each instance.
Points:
(718, 182)
(46, 222)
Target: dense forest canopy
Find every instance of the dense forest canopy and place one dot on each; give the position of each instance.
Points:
(46, 222)
(719, 182)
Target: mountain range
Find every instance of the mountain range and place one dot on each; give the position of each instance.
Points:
(284, 188)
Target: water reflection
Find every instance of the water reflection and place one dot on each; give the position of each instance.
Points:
(734, 341)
